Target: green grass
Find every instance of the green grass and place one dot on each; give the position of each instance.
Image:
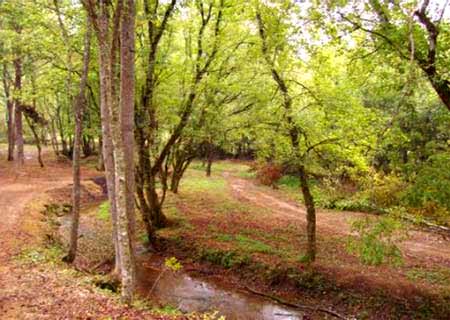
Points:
(437, 276)
(103, 211)
(290, 182)
(251, 245)
(225, 237)
(246, 244)
(222, 166)
(195, 183)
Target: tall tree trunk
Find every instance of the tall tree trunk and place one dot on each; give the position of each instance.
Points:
(294, 132)
(310, 215)
(124, 152)
(19, 157)
(78, 106)
(105, 102)
(10, 110)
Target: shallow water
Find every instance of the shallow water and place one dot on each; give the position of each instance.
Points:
(195, 294)
(190, 294)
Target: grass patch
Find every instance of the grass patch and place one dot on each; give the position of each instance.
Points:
(51, 254)
(440, 276)
(251, 245)
(225, 258)
(222, 166)
(103, 211)
(290, 182)
(197, 184)
(225, 237)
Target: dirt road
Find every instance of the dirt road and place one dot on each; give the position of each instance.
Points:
(34, 291)
(420, 245)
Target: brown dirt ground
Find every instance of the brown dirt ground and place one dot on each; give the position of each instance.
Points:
(267, 215)
(34, 291)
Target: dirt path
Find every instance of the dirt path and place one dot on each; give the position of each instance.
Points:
(421, 245)
(34, 291)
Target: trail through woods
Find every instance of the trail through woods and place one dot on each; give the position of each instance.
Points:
(421, 245)
(33, 291)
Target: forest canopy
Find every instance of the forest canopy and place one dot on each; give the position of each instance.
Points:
(346, 104)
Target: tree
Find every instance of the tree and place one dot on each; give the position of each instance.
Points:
(115, 109)
(154, 153)
(78, 106)
(415, 34)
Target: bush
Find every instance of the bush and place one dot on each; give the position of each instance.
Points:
(432, 184)
(386, 191)
(268, 174)
(375, 241)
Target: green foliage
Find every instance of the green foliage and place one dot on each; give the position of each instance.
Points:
(437, 276)
(225, 237)
(251, 245)
(247, 244)
(103, 212)
(173, 264)
(199, 184)
(432, 183)
(290, 182)
(167, 310)
(386, 191)
(375, 242)
(226, 259)
(50, 254)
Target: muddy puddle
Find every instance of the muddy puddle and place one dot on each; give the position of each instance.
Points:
(190, 294)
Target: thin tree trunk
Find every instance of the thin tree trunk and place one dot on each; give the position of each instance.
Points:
(19, 157)
(10, 110)
(54, 138)
(209, 160)
(37, 140)
(294, 133)
(78, 106)
(310, 215)
(100, 162)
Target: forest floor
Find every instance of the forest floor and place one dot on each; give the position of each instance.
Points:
(257, 235)
(226, 228)
(34, 284)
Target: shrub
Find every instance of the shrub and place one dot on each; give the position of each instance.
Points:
(269, 173)
(386, 191)
(375, 240)
(226, 259)
(432, 184)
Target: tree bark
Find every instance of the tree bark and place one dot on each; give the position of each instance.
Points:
(310, 215)
(124, 151)
(78, 107)
(11, 128)
(19, 156)
(9, 111)
(294, 133)
(37, 140)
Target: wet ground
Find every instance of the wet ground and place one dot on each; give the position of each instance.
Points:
(190, 294)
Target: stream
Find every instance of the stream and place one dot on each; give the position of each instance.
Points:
(190, 294)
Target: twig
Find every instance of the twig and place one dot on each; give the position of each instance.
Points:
(294, 305)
